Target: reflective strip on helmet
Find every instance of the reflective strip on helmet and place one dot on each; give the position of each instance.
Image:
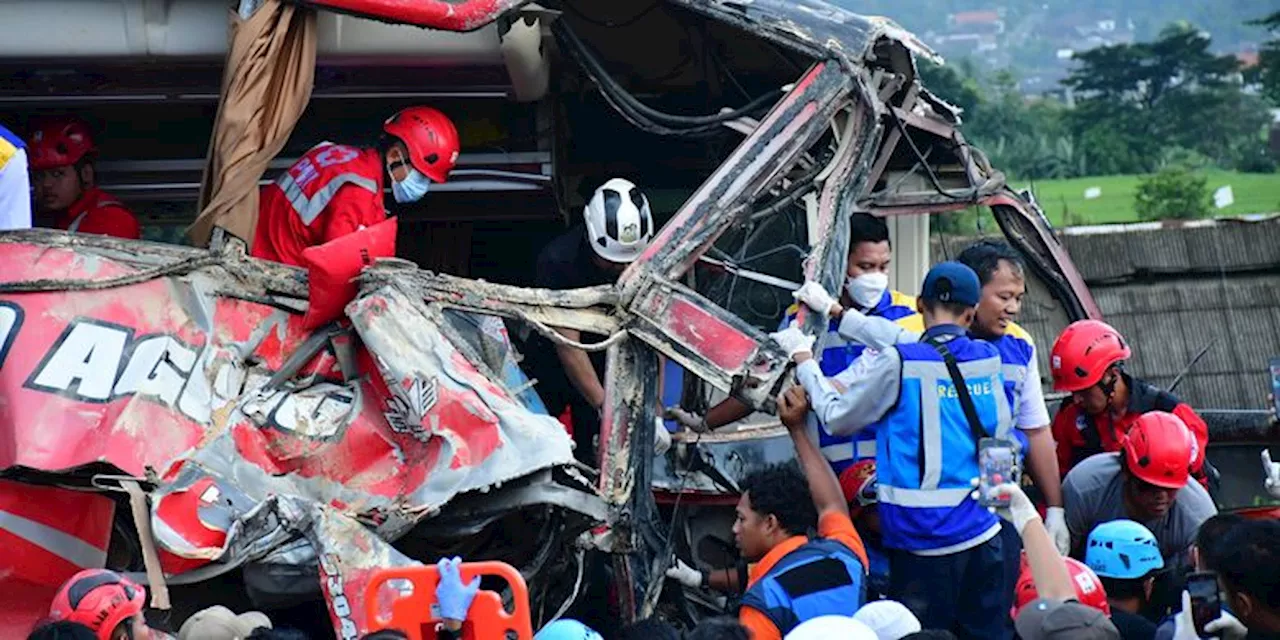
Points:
(310, 208)
(59, 543)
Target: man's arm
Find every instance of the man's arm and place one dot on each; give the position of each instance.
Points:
(578, 367)
(1033, 420)
(874, 331)
(793, 410)
(1047, 568)
(731, 410)
(871, 390)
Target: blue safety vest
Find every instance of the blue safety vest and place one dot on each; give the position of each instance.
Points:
(926, 453)
(837, 353)
(821, 578)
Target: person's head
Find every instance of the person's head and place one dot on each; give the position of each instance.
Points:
(60, 153)
(648, 629)
(217, 622)
(1001, 274)
(619, 224)
(1126, 556)
(62, 630)
(1086, 361)
(1155, 459)
(858, 482)
(1045, 619)
(264, 633)
(829, 627)
(867, 271)
(719, 629)
(386, 634)
(1089, 591)
(106, 602)
(775, 505)
(567, 630)
(890, 620)
(930, 634)
(1249, 569)
(1208, 546)
(420, 146)
(949, 295)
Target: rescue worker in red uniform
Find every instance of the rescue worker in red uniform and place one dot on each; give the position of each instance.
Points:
(335, 189)
(61, 154)
(1087, 361)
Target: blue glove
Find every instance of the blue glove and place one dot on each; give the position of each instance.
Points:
(453, 597)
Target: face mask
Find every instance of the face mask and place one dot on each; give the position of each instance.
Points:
(867, 289)
(412, 188)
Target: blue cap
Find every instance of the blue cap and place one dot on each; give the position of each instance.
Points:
(951, 282)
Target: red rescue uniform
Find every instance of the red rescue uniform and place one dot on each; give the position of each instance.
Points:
(1079, 435)
(331, 191)
(99, 213)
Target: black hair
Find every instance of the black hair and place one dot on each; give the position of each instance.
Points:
(1211, 534)
(62, 630)
(718, 629)
(930, 634)
(953, 308)
(984, 258)
(1249, 561)
(781, 491)
(864, 227)
(386, 634)
(648, 629)
(265, 633)
(1126, 588)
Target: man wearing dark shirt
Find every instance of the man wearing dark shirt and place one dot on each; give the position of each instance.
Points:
(616, 229)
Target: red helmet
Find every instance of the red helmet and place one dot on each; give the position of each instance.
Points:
(1083, 352)
(59, 143)
(98, 599)
(431, 138)
(1158, 450)
(858, 483)
(1089, 591)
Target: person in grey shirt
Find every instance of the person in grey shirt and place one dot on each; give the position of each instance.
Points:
(1146, 481)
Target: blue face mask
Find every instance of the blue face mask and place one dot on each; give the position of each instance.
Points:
(412, 188)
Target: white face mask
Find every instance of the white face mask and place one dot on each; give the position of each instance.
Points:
(867, 289)
(412, 188)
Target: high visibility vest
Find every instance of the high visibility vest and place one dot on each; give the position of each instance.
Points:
(820, 578)
(926, 454)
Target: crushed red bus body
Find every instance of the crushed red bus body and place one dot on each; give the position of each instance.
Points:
(167, 399)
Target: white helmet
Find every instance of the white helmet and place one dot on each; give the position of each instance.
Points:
(619, 224)
(828, 627)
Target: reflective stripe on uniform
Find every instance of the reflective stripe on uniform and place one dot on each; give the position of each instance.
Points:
(310, 208)
(59, 543)
(921, 497)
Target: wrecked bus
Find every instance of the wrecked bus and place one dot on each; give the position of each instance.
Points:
(169, 408)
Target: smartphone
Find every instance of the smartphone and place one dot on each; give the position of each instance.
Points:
(1206, 604)
(997, 464)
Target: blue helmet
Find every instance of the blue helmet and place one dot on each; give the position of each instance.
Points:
(1123, 550)
(566, 630)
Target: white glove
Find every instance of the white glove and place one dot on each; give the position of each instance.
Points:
(1184, 626)
(1271, 470)
(815, 297)
(661, 437)
(1228, 627)
(688, 420)
(1055, 520)
(686, 575)
(794, 341)
(1020, 510)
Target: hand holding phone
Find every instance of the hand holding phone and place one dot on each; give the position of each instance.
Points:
(997, 464)
(1206, 604)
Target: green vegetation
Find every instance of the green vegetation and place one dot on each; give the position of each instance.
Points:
(1254, 193)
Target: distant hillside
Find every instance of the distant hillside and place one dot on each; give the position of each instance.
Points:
(1033, 37)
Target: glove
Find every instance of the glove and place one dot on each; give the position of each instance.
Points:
(686, 575)
(1055, 520)
(1271, 470)
(454, 597)
(1228, 627)
(794, 341)
(1020, 510)
(688, 420)
(815, 297)
(661, 437)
